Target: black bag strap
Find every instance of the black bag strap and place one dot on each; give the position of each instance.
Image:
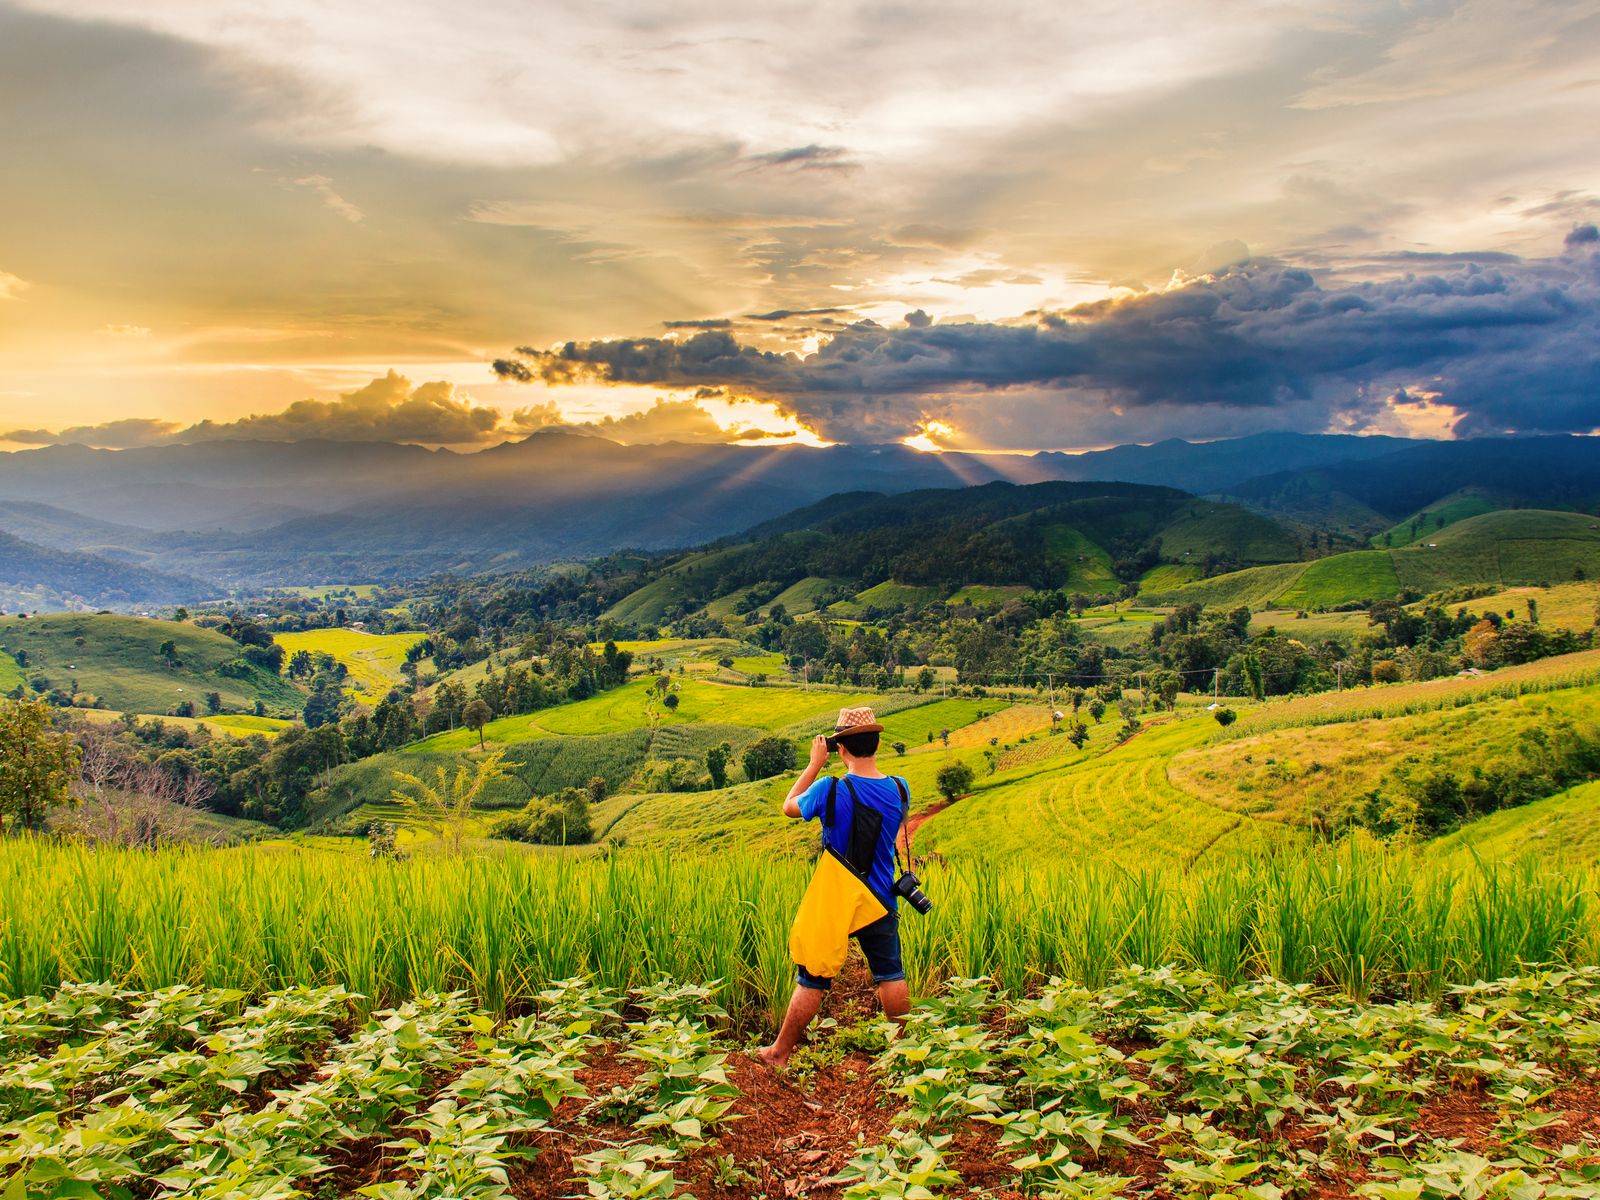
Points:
(905, 817)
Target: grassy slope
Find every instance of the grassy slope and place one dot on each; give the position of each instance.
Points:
(1251, 537)
(1280, 775)
(650, 604)
(1508, 547)
(987, 595)
(1341, 579)
(1402, 699)
(1425, 523)
(1564, 828)
(373, 659)
(1084, 565)
(1253, 587)
(240, 725)
(10, 673)
(625, 708)
(887, 594)
(1312, 627)
(803, 597)
(118, 662)
(1564, 606)
(1167, 576)
(1514, 546)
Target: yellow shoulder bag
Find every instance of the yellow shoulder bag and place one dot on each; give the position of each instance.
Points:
(836, 904)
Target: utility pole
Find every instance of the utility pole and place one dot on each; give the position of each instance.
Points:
(1216, 682)
(1338, 671)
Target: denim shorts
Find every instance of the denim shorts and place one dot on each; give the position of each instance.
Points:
(880, 943)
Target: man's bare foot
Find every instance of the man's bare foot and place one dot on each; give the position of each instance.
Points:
(773, 1059)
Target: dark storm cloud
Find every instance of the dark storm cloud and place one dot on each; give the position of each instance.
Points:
(1583, 235)
(785, 314)
(1510, 346)
(804, 158)
(707, 323)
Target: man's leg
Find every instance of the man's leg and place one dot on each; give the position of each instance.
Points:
(895, 997)
(803, 1006)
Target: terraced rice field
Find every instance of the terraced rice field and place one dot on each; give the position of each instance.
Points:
(1118, 806)
(1159, 1083)
(373, 659)
(1010, 723)
(1284, 774)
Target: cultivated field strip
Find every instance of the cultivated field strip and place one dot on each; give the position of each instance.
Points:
(1156, 1083)
(502, 928)
(1403, 699)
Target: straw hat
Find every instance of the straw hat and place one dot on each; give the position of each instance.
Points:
(856, 720)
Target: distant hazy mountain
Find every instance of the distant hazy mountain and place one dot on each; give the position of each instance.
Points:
(265, 512)
(51, 578)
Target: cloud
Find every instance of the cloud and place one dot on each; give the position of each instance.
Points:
(388, 409)
(664, 421)
(1507, 346)
(112, 435)
(785, 314)
(706, 323)
(12, 286)
(1583, 235)
(323, 187)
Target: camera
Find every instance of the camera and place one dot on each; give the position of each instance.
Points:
(909, 888)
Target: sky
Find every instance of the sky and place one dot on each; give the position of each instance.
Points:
(996, 226)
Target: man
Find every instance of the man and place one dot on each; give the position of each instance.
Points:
(855, 736)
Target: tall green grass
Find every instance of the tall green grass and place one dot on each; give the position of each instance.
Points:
(501, 926)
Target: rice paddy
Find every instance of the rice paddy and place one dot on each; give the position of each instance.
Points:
(373, 659)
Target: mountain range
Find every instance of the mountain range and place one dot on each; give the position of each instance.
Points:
(247, 514)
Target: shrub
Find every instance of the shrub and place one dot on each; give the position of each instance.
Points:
(768, 757)
(560, 820)
(954, 780)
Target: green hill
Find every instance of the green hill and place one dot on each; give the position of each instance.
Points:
(1426, 522)
(1505, 548)
(915, 548)
(687, 583)
(805, 596)
(119, 660)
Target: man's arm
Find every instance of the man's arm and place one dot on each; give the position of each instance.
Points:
(819, 759)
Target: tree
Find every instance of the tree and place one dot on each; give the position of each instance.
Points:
(213, 702)
(597, 788)
(168, 650)
(954, 779)
(1225, 716)
(924, 679)
(37, 764)
(323, 705)
(560, 820)
(899, 748)
(1079, 734)
(444, 807)
(670, 700)
(767, 757)
(1097, 709)
(717, 764)
(476, 715)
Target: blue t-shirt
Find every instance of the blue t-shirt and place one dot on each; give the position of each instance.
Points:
(880, 794)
